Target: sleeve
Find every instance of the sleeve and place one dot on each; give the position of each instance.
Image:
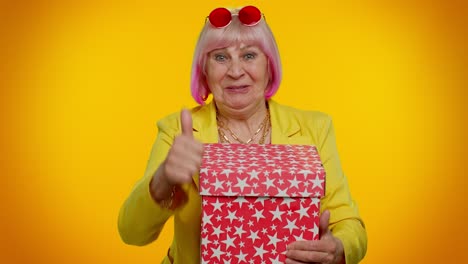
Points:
(345, 222)
(141, 219)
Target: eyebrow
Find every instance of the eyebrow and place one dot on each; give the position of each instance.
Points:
(250, 46)
(243, 48)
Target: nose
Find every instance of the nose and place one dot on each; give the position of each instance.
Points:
(236, 69)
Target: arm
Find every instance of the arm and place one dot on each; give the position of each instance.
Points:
(141, 219)
(343, 238)
(173, 162)
(345, 222)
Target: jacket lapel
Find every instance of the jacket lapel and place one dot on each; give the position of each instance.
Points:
(285, 128)
(204, 123)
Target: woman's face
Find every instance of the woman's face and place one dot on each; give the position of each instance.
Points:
(237, 76)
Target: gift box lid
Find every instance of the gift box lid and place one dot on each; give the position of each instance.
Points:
(269, 170)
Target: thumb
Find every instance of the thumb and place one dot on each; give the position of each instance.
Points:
(323, 225)
(186, 122)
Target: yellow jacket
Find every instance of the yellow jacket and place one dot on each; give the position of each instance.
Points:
(141, 219)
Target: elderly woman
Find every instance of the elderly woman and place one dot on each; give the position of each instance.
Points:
(236, 61)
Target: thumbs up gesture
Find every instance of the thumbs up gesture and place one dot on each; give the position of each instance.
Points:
(185, 156)
(182, 162)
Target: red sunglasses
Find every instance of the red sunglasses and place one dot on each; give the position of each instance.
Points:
(248, 16)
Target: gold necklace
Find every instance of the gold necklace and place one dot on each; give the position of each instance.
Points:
(266, 130)
(265, 126)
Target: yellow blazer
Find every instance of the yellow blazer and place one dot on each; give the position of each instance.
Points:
(141, 219)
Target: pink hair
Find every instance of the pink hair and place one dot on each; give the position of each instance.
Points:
(212, 38)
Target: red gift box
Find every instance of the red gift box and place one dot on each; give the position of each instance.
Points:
(257, 199)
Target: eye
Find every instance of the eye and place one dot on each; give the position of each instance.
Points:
(220, 57)
(250, 56)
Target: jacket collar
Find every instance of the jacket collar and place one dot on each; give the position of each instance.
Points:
(204, 123)
(285, 128)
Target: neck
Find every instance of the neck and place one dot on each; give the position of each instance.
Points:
(246, 127)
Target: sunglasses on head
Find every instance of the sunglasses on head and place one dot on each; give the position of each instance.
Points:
(248, 16)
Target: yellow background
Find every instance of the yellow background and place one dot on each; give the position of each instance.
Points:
(84, 82)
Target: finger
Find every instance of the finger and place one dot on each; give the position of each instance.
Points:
(292, 261)
(323, 225)
(307, 256)
(187, 151)
(307, 245)
(186, 122)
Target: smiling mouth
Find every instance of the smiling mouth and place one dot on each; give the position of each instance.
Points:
(237, 88)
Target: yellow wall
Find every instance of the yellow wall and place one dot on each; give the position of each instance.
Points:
(83, 84)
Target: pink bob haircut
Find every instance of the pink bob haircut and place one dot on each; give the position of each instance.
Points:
(212, 38)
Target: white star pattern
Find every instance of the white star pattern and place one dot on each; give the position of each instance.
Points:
(277, 213)
(261, 200)
(260, 251)
(256, 199)
(294, 183)
(227, 172)
(291, 225)
(299, 237)
(230, 193)
(241, 184)
(240, 200)
(205, 241)
(253, 236)
(315, 230)
(217, 253)
(217, 206)
(253, 174)
(317, 182)
(278, 171)
(218, 184)
(231, 216)
(269, 183)
(217, 230)
(207, 219)
(287, 201)
(241, 256)
(203, 171)
(258, 214)
(302, 212)
(229, 242)
(273, 240)
(305, 173)
(282, 193)
(239, 231)
(275, 260)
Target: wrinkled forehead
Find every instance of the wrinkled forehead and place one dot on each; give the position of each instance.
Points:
(237, 47)
(233, 44)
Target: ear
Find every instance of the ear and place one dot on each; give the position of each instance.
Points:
(204, 92)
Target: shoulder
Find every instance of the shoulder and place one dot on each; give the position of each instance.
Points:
(305, 118)
(171, 122)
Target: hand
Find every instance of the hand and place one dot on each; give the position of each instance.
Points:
(182, 162)
(327, 250)
(185, 156)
